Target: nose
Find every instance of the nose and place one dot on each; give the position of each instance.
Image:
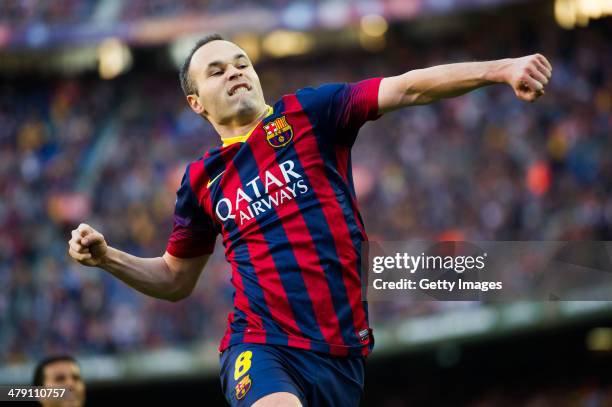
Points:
(233, 72)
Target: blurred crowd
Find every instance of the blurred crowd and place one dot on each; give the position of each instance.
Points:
(20, 13)
(484, 166)
(24, 13)
(589, 394)
(540, 393)
(167, 8)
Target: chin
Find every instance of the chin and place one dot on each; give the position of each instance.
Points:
(246, 106)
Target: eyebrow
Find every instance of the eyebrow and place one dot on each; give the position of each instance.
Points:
(219, 63)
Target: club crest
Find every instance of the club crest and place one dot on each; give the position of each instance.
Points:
(243, 387)
(279, 133)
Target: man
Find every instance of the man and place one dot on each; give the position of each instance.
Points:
(61, 372)
(279, 190)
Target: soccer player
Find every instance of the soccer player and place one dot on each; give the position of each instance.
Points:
(279, 190)
(61, 372)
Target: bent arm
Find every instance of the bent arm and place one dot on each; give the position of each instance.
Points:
(527, 76)
(167, 277)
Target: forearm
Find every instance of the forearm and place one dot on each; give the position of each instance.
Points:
(445, 81)
(526, 75)
(150, 276)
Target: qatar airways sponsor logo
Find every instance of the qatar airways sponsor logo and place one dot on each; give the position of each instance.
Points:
(262, 193)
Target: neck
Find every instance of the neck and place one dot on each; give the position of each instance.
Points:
(237, 127)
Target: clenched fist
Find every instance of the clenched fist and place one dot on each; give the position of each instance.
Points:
(87, 246)
(528, 76)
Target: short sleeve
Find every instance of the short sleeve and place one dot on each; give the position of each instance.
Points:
(193, 232)
(342, 108)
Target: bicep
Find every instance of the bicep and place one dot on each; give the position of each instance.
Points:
(402, 91)
(390, 95)
(186, 270)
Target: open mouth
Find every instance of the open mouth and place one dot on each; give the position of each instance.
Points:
(238, 89)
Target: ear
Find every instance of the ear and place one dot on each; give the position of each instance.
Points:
(195, 104)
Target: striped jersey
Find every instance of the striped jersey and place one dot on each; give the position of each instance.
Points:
(283, 200)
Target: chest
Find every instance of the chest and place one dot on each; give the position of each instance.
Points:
(268, 176)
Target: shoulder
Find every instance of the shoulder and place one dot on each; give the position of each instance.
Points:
(321, 93)
(193, 183)
(200, 171)
(321, 101)
(195, 174)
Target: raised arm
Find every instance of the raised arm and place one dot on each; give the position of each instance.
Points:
(167, 277)
(527, 76)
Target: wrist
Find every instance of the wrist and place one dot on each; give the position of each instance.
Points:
(499, 71)
(106, 260)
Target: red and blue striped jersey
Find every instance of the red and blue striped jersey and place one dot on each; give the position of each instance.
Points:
(283, 200)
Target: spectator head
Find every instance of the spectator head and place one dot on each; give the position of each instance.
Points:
(61, 371)
(220, 82)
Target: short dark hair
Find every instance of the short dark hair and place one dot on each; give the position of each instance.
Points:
(186, 83)
(39, 371)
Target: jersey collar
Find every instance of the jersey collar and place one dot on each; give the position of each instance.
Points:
(241, 139)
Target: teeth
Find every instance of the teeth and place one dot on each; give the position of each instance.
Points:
(240, 89)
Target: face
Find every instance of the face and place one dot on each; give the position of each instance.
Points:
(65, 374)
(228, 87)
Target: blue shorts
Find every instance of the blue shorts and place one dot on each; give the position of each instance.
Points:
(251, 371)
